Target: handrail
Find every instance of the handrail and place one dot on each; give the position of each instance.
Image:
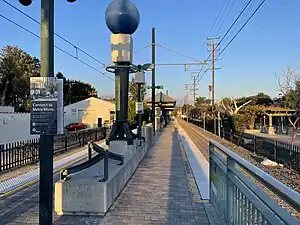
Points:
(74, 169)
(291, 196)
(102, 154)
(111, 155)
(238, 199)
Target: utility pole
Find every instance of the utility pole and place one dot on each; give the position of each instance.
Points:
(195, 87)
(213, 51)
(186, 100)
(186, 94)
(209, 91)
(153, 79)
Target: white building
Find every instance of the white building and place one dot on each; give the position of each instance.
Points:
(88, 111)
(16, 126)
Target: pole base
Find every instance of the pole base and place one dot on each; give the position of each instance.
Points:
(121, 131)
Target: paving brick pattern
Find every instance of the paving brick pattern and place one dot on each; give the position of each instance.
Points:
(162, 191)
(159, 191)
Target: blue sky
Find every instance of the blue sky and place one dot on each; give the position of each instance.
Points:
(268, 44)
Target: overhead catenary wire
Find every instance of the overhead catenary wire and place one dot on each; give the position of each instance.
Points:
(60, 49)
(59, 36)
(178, 53)
(141, 49)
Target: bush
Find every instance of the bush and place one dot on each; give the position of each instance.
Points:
(240, 122)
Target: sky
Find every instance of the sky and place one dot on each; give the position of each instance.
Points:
(267, 45)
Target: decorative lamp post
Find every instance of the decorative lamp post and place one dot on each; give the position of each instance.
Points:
(46, 141)
(122, 19)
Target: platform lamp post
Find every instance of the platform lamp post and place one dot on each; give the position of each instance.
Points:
(139, 79)
(46, 141)
(122, 19)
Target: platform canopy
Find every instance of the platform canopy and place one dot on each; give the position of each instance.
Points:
(163, 101)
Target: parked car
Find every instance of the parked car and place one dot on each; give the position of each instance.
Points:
(76, 126)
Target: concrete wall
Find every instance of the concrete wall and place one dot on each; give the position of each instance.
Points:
(6, 109)
(88, 111)
(83, 194)
(15, 127)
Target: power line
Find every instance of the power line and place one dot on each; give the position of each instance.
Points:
(228, 12)
(240, 14)
(214, 23)
(60, 49)
(259, 6)
(225, 9)
(59, 36)
(178, 53)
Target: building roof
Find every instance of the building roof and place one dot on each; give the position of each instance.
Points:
(161, 98)
(90, 99)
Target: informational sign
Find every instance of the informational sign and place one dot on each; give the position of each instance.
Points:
(46, 115)
(139, 108)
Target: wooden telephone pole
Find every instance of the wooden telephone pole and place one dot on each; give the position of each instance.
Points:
(213, 50)
(195, 88)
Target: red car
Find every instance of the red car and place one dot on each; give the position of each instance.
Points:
(76, 126)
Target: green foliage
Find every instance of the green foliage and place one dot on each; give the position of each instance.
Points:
(131, 112)
(289, 100)
(75, 90)
(133, 96)
(239, 122)
(133, 90)
(251, 112)
(202, 104)
(259, 99)
(16, 68)
(79, 90)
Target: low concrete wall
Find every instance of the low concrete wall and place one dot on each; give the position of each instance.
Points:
(15, 127)
(83, 194)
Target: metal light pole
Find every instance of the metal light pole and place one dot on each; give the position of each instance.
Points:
(139, 79)
(122, 19)
(153, 80)
(46, 141)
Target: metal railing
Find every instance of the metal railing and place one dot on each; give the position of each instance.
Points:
(19, 154)
(239, 191)
(277, 151)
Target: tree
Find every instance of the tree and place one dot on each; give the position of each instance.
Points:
(251, 112)
(76, 90)
(16, 68)
(231, 107)
(259, 99)
(133, 96)
(289, 85)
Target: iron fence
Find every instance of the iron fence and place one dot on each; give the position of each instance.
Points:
(277, 151)
(237, 196)
(13, 155)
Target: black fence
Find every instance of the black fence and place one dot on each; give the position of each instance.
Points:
(18, 154)
(277, 151)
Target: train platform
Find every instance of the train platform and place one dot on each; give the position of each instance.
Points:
(163, 190)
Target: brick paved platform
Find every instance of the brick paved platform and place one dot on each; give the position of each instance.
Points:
(162, 191)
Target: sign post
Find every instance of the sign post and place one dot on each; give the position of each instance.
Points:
(46, 120)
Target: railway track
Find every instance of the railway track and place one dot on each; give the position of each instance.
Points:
(200, 139)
